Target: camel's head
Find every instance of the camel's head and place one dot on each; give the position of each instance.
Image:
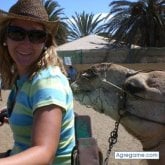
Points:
(91, 87)
(86, 87)
(87, 81)
(144, 103)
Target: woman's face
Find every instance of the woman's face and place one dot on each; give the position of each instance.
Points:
(25, 49)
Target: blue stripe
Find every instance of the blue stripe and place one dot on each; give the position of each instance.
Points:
(20, 119)
(67, 133)
(21, 145)
(68, 115)
(47, 94)
(22, 98)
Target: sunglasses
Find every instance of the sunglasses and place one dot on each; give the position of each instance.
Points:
(17, 33)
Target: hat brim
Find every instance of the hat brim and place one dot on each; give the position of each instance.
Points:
(51, 25)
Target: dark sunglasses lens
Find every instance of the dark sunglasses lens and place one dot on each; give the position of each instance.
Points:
(16, 33)
(19, 34)
(37, 36)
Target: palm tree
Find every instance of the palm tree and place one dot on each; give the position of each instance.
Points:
(56, 13)
(84, 24)
(137, 22)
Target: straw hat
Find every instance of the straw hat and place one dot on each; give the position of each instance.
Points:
(32, 10)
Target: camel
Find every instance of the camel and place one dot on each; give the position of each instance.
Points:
(138, 97)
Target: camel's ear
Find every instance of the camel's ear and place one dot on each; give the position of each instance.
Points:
(132, 73)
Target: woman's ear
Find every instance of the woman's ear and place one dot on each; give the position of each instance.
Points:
(45, 48)
(4, 44)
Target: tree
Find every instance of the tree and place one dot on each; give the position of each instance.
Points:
(137, 22)
(55, 13)
(84, 24)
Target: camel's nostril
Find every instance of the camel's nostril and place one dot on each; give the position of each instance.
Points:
(133, 88)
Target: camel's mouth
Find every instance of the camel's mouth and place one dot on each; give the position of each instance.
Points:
(84, 97)
(77, 90)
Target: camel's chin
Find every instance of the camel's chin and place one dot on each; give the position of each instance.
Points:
(85, 98)
(143, 130)
(82, 98)
(153, 114)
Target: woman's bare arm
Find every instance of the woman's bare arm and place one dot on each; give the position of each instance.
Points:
(45, 139)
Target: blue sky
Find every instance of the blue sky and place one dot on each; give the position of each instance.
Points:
(72, 6)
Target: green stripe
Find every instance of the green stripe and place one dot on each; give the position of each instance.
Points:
(24, 110)
(50, 83)
(68, 124)
(64, 143)
(46, 102)
(63, 160)
(25, 130)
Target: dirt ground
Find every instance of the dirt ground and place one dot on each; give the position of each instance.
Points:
(101, 127)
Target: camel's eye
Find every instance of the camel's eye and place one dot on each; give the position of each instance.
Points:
(133, 87)
(89, 74)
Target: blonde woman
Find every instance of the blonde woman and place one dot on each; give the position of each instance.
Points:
(40, 105)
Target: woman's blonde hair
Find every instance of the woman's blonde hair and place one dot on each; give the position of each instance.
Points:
(49, 57)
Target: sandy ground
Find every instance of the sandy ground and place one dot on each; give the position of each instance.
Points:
(101, 127)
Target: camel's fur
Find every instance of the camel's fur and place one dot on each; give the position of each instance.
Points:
(98, 87)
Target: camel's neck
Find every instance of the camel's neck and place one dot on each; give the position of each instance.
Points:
(161, 149)
(107, 102)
